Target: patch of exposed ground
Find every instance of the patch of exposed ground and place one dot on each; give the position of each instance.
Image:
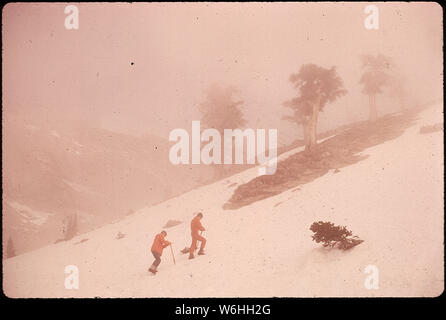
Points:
(332, 154)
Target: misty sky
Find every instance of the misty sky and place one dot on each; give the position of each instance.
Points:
(178, 50)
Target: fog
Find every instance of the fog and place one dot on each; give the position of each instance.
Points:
(144, 68)
(87, 112)
(131, 124)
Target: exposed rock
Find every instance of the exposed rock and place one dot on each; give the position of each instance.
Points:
(172, 223)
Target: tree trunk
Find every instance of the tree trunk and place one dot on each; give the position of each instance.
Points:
(313, 124)
(372, 104)
(306, 129)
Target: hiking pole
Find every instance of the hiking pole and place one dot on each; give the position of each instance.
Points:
(171, 250)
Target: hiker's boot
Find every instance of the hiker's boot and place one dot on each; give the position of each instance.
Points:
(153, 269)
(185, 250)
(201, 252)
(191, 256)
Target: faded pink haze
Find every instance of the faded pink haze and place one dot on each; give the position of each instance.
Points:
(87, 178)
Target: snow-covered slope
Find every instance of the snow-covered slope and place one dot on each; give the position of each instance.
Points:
(393, 200)
(97, 174)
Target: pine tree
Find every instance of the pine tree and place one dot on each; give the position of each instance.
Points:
(375, 77)
(221, 110)
(317, 87)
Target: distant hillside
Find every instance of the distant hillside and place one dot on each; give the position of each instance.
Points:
(49, 173)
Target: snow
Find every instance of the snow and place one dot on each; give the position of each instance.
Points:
(77, 143)
(29, 215)
(393, 200)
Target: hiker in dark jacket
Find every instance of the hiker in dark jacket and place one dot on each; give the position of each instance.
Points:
(159, 243)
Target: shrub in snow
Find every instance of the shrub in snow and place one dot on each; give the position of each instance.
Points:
(331, 235)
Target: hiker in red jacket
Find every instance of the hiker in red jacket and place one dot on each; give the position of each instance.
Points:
(195, 227)
(159, 243)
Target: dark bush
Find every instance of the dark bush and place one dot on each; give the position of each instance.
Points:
(333, 236)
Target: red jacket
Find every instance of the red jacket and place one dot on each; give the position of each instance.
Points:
(195, 226)
(159, 243)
